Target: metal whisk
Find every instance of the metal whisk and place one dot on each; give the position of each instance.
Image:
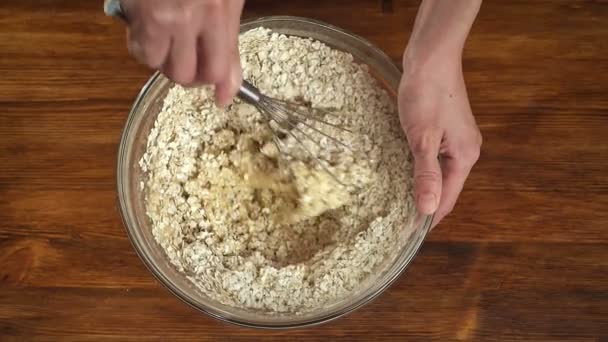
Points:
(290, 119)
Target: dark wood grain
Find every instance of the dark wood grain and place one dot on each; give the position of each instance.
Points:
(524, 256)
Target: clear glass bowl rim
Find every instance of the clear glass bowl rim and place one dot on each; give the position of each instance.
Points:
(401, 263)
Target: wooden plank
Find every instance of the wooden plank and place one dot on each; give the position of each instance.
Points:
(492, 291)
(524, 255)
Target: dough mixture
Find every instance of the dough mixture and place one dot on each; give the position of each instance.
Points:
(253, 218)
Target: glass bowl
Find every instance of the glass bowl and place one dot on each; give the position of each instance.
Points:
(132, 147)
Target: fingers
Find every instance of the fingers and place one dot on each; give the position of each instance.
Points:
(456, 164)
(219, 62)
(225, 90)
(190, 41)
(182, 62)
(455, 174)
(213, 49)
(427, 171)
(148, 46)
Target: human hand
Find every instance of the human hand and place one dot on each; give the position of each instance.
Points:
(436, 116)
(191, 41)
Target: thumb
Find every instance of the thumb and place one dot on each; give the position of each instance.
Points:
(427, 172)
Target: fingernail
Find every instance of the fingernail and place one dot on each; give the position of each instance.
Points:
(427, 203)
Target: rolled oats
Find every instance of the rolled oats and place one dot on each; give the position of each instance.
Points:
(254, 231)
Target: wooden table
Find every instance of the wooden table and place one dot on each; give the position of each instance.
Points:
(523, 256)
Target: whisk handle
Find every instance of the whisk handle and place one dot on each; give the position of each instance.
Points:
(113, 8)
(249, 93)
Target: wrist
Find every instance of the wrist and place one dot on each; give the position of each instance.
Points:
(439, 60)
(439, 35)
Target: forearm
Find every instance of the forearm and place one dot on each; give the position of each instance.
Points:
(440, 30)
